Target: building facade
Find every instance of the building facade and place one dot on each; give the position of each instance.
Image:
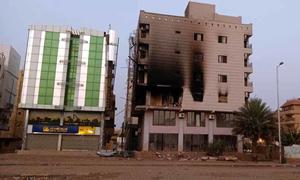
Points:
(9, 69)
(187, 75)
(290, 115)
(68, 87)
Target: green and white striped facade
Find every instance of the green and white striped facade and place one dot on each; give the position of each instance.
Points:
(65, 69)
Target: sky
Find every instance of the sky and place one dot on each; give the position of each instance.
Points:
(276, 34)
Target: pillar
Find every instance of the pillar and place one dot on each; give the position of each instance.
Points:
(180, 134)
(25, 129)
(211, 124)
(146, 130)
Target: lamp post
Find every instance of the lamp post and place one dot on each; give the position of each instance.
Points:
(278, 113)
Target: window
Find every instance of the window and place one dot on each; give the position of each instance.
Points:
(143, 50)
(164, 118)
(198, 37)
(163, 142)
(178, 32)
(224, 120)
(223, 78)
(195, 142)
(222, 39)
(223, 97)
(222, 59)
(196, 119)
(198, 57)
(145, 30)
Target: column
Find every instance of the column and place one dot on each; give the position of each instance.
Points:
(25, 129)
(59, 141)
(211, 125)
(180, 133)
(146, 130)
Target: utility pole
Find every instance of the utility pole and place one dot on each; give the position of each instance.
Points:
(278, 114)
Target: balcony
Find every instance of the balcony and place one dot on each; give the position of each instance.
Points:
(248, 67)
(248, 86)
(248, 48)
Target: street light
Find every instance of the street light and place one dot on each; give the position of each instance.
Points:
(278, 113)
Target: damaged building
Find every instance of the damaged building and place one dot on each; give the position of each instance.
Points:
(186, 76)
(67, 91)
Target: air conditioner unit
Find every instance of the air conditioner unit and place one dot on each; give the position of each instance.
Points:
(181, 115)
(211, 117)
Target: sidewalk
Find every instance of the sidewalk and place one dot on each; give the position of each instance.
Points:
(90, 158)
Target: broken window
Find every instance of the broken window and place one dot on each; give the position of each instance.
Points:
(177, 52)
(166, 97)
(222, 59)
(222, 78)
(143, 50)
(195, 119)
(224, 120)
(195, 142)
(145, 30)
(198, 57)
(222, 39)
(163, 142)
(164, 118)
(223, 97)
(141, 77)
(198, 37)
(197, 84)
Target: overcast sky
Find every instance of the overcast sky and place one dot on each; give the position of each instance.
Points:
(276, 33)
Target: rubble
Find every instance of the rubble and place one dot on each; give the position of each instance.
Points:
(185, 156)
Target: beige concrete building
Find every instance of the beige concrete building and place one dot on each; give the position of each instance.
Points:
(9, 68)
(290, 114)
(187, 74)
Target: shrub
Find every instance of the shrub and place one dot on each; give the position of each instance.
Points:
(216, 148)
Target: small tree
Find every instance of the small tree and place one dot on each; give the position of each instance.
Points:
(290, 137)
(216, 148)
(255, 120)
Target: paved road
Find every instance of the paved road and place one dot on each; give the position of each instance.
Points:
(92, 167)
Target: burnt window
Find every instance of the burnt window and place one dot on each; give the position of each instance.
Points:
(195, 119)
(222, 78)
(198, 57)
(141, 77)
(143, 50)
(223, 97)
(145, 30)
(177, 52)
(164, 118)
(198, 37)
(222, 59)
(222, 39)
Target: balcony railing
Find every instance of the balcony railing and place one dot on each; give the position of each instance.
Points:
(248, 84)
(249, 65)
(248, 45)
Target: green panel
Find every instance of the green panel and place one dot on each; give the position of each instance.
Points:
(94, 71)
(48, 68)
(71, 73)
